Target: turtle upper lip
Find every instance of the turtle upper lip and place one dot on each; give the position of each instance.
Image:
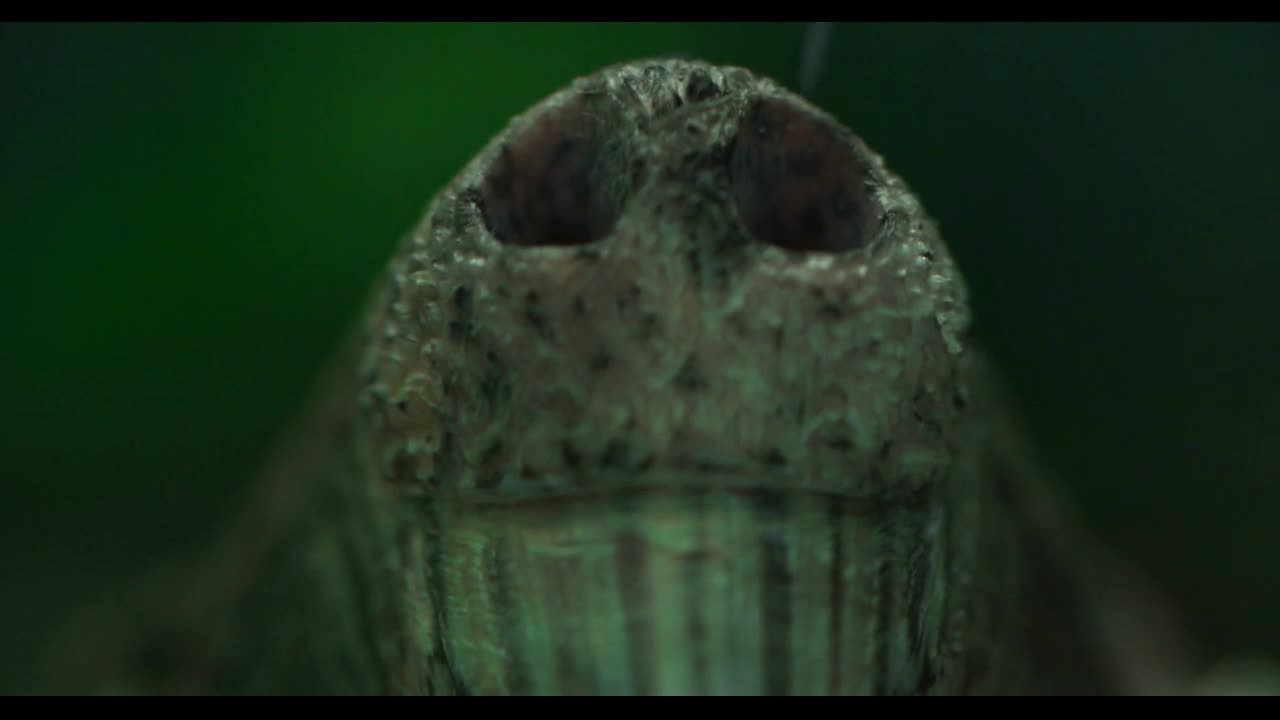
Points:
(555, 488)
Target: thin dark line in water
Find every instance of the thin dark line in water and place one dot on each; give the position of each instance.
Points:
(817, 42)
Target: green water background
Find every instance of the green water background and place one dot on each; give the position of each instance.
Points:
(192, 214)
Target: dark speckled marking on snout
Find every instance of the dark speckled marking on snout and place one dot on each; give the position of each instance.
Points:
(690, 378)
(460, 326)
(601, 361)
(774, 458)
(491, 479)
(462, 300)
(624, 299)
(615, 453)
(536, 314)
(830, 311)
(492, 388)
(647, 326)
(797, 184)
(840, 442)
(570, 456)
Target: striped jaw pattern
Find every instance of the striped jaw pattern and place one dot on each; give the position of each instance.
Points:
(667, 386)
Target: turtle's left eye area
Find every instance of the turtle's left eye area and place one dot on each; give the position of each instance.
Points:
(798, 184)
(556, 181)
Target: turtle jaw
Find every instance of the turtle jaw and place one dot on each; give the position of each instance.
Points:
(689, 590)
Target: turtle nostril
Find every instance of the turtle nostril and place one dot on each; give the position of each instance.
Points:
(557, 181)
(797, 184)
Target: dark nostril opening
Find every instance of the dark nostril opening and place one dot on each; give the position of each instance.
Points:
(797, 184)
(557, 181)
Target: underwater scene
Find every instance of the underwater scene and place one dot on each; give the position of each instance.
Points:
(640, 358)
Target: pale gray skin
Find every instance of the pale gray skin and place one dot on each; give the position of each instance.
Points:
(661, 455)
